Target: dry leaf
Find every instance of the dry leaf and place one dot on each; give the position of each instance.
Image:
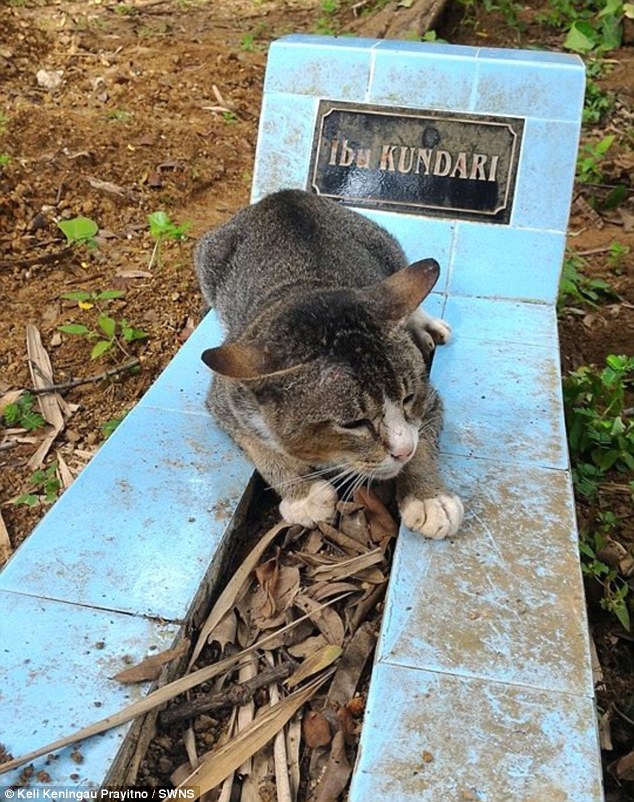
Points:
(351, 664)
(317, 661)
(307, 647)
(65, 475)
(229, 594)
(382, 524)
(327, 621)
(50, 404)
(6, 549)
(346, 568)
(356, 526)
(337, 772)
(150, 668)
(293, 743)
(226, 630)
(349, 544)
(283, 786)
(267, 575)
(9, 398)
(246, 711)
(623, 768)
(106, 186)
(316, 730)
(222, 761)
(323, 590)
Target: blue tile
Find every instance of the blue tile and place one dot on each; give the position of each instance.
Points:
(434, 738)
(139, 527)
(545, 175)
(282, 159)
(532, 58)
(183, 385)
(536, 89)
(503, 262)
(420, 237)
(422, 79)
(325, 67)
(311, 40)
(501, 320)
(56, 661)
(502, 401)
(433, 49)
(510, 583)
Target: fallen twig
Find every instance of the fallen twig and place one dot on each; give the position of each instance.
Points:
(236, 694)
(132, 363)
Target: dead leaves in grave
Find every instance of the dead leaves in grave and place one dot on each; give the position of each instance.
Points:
(334, 577)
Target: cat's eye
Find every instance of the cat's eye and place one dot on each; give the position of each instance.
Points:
(357, 424)
(408, 399)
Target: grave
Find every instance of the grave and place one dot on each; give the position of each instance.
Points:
(482, 686)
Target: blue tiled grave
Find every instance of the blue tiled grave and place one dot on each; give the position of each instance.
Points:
(481, 687)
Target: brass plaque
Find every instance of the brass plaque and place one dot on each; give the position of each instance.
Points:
(442, 164)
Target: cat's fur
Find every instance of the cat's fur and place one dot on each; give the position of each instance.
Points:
(322, 375)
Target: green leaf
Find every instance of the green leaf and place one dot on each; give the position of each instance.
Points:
(75, 328)
(27, 498)
(107, 325)
(80, 295)
(582, 37)
(623, 614)
(100, 348)
(604, 145)
(79, 229)
(159, 223)
(129, 333)
(108, 295)
(31, 420)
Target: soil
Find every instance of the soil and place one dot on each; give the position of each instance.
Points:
(153, 105)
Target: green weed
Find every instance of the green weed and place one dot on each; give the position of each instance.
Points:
(118, 115)
(600, 431)
(5, 159)
(592, 544)
(576, 287)
(591, 154)
(46, 487)
(21, 413)
(111, 425)
(109, 332)
(248, 43)
(80, 231)
(162, 228)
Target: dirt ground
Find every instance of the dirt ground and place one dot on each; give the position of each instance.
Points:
(114, 111)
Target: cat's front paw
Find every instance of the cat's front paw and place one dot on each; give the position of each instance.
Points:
(439, 330)
(437, 517)
(317, 505)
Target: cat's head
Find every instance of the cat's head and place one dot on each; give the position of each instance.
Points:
(335, 379)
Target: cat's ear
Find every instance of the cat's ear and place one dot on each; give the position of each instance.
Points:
(243, 361)
(237, 361)
(404, 291)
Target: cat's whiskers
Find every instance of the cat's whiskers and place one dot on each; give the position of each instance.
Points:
(339, 471)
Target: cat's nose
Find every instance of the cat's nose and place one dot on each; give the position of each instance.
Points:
(402, 454)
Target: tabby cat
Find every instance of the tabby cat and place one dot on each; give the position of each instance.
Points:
(322, 378)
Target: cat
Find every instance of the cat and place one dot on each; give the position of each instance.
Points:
(322, 378)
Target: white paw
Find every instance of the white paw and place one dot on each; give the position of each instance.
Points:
(428, 331)
(436, 517)
(439, 330)
(318, 505)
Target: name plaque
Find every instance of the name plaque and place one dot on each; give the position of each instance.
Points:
(442, 164)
